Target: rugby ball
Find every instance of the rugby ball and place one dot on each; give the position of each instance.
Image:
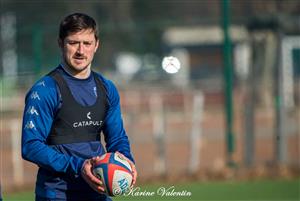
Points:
(115, 172)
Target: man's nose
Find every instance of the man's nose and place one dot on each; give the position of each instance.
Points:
(80, 48)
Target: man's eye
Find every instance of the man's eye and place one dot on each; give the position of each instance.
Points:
(87, 43)
(72, 42)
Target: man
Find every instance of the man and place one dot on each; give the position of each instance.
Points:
(65, 111)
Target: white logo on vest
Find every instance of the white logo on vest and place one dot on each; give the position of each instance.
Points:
(87, 123)
(88, 115)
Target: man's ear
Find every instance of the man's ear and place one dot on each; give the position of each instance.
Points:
(97, 45)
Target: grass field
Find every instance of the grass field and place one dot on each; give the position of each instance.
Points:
(196, 191)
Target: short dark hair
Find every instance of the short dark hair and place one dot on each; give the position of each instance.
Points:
(77, 22)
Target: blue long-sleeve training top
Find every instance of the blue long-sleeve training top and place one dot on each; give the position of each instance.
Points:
(60, 165)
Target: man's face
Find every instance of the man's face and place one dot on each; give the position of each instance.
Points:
(78, 49)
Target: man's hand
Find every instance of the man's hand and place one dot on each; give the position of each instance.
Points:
(134, 172)
(86, 173)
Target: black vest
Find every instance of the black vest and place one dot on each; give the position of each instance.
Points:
(76, 123)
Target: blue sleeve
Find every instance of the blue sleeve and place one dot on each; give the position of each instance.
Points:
(115, 135)
(41, 103)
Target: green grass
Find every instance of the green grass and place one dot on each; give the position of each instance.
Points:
(251, 190)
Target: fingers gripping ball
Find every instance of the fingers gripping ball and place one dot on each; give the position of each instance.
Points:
(115, 173)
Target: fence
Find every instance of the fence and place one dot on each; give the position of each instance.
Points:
(173, 132)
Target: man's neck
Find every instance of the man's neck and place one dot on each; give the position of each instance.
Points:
(77, 74)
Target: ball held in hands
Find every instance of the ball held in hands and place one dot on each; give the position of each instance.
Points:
(115, 172)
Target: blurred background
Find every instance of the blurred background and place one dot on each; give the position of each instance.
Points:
(232, 111)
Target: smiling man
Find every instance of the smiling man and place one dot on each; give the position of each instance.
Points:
(65, 113)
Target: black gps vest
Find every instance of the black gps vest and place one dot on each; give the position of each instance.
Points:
(76, 123)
